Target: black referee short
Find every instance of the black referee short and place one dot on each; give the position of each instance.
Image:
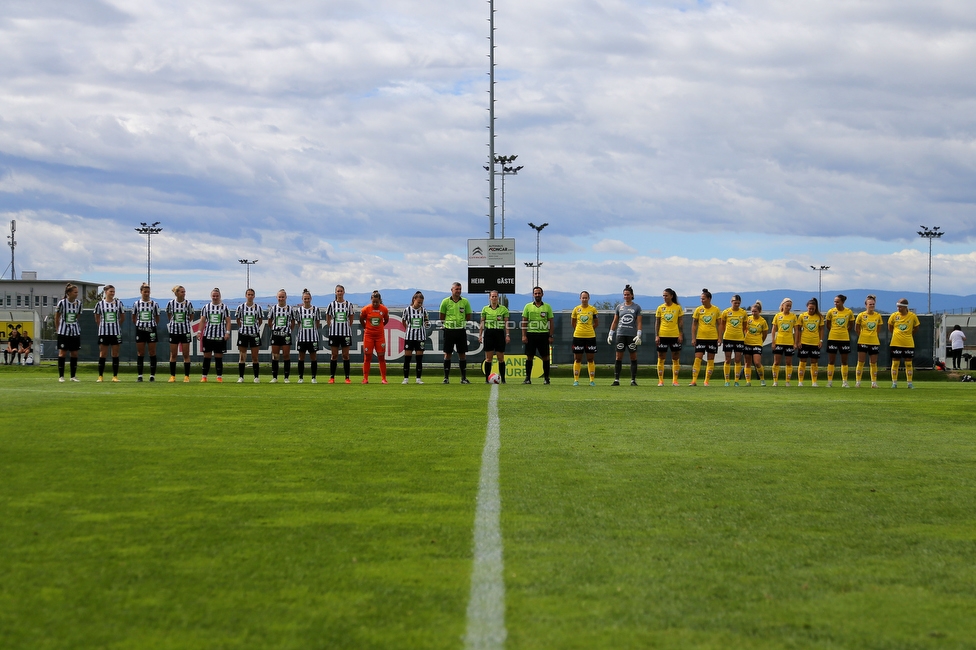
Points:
(537, 345)
(494, 340)
(456, 339)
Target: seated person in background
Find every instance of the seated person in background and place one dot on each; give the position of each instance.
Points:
(26, 346)
(13, 345)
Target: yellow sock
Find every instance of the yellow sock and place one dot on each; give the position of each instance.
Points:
(844, 372)
(814, 371)
(591, 368)
(738, 371)
(830, 371)
(789, 371)
(859, 371)
(675, 367)
(775, 372)
(695, 369)
(747, 375)
(874, 372)
(761, 373)
(800, 369)
(660, 369)
(576, 370)
(894, 370)
(909, 371)
(725, 369)
(709, 369)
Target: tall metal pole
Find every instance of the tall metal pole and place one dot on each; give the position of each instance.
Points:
(930, 234)
(538, 240)
(491, 119)
(13, 245)
(149, 230)
(820, 269)
(247, 274)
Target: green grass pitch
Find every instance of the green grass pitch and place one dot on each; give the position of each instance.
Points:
(287, 516)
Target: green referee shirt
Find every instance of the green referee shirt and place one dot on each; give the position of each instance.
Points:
(455, 313)
(538, 317)
(495, 318)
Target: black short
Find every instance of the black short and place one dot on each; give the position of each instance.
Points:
(709, 346)
(215, 345)
(340, 341)
(833, 347)
(785, 350)
(456, 339)
(901, 353)
(248, 341)
(626, 342)
(146, 336)
(176, 339)
(672, 343)
(581, 345)
(808, 351)
(733, 346)
(537, 345)
(494, 339)
(310, 347)
(753, 349)
(108, 339)
(69, 343)
(872, 350)
(281, 340)
(416, 346)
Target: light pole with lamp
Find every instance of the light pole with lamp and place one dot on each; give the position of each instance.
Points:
(538, 240)
(149, 230)
(820, 269)
(930, 234)
(506, 171)
(247, 276)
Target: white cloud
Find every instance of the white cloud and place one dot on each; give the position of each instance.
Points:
(614, 247)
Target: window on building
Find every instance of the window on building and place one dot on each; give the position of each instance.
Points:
(37, 301)
(18, 299)
(45, 301)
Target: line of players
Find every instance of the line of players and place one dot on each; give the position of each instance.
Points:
(741, 334)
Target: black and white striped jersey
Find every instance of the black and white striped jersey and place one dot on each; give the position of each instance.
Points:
(341, 314)
(145, 315)
(70, 313)
(279, 318)
(111, 316)
(249, 319)
(180, 316)
(308, 332)
(215, 317)
(416, 323)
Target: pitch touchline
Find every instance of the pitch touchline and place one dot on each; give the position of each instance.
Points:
(486, 604)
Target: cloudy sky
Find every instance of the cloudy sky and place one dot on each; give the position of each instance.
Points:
(667, 143)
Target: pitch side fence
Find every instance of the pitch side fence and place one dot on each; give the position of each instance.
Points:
(561, 350)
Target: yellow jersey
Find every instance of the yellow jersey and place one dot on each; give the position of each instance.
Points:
(840, 320)
(707, 319)
(810, 326)
(756, 328)
(870, 325)
(584, 317)
(902, 336)
(783, 325)
(734, 324)
(668, 317)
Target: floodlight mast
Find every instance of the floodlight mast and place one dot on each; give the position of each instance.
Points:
(247, 274)
(491, 119)
(930, 234)
(820, 269)
(537, 266)
(149, 230)
(13, 245)
(506, 171)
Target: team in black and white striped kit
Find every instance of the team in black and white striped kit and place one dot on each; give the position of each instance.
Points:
(179, 311)
(249, 317)
(281, 320)
(109, 316)
(145, 317)
(66, 317)
(415, 322)
(338, 316)
(214, 332)
(306, 315)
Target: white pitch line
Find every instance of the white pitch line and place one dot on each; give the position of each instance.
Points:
(486, 604)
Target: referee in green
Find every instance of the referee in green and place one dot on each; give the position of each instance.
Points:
(455, 312)
(537, 330)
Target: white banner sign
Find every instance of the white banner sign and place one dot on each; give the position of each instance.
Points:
(491, 252)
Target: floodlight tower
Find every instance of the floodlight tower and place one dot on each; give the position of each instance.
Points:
(247, 275)
(491, 119)
(930, 234)
(505, 171)
(149, 230)
(538, 264)
(820, 269)
(13, 245)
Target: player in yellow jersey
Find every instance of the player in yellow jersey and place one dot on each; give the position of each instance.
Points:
(809, 341)
(840, 323)
(733, 327)
(705, 336)
(902, 324)
(867, 325)
(669, 335)
(756, 328)
(585, 321)
(784, 339)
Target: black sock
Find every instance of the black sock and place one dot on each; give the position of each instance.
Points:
(617, 366)
(153, 362)
(257, 372)
(219, 363)
(501, 370)
(140, 364)
(315, 368)
(633, 370)
(301, 368)
(287, 368)
(115, 366)
(74, 366)
(486, 367)
(420, 365)
(545, 368)
(406, 367)
(101, 366)
(206, 366)
(332, 367)
(172, 368)
(447, 368)
(186, 368)
(274, 368)
(528, 368)
(240, 369)
(61, 367)
(345, 367)
(464, 368)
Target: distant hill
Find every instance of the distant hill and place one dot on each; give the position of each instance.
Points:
(563, 300)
